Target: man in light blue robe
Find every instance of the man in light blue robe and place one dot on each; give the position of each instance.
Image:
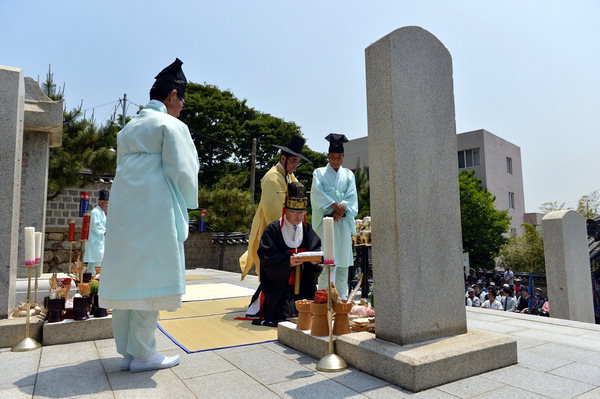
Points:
(156, 182)
(333, 193)
(94, 247)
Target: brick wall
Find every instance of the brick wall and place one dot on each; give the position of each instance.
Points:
(66, 206)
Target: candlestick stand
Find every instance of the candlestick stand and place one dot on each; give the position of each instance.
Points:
(27, 343)
(330, 362)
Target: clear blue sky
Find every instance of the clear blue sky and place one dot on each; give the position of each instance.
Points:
(527, 71)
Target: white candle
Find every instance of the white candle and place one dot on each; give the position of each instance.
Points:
(29, 246)
(38, 246)
(328, 240)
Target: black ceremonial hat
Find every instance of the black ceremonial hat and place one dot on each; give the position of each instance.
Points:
(103, 195)
(172, 77)
(295, 198)
(293, 148)
(336, 143)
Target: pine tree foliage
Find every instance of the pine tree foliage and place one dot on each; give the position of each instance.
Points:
(85, 146)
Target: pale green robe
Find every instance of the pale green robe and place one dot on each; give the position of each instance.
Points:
(156, 182)
(329, 186)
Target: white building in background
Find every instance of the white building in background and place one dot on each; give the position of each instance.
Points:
(495, 161)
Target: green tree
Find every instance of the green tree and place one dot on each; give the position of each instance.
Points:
(229, 207)
(223, 127)
(483, 226)
(363, 191)
(525, 253)
(589, 205)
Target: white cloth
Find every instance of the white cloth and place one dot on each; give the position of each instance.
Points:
(291, 236)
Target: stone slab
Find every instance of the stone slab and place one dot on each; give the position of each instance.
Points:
(427, 364)
(69, 331)
(13, 330)
(415, 366)
(301, 340)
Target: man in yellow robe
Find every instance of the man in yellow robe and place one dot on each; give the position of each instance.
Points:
(273, 187)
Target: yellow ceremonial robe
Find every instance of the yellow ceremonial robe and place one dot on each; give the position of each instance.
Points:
(272, 198)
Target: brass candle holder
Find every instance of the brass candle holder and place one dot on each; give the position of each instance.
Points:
(330, 362)
(27, 343)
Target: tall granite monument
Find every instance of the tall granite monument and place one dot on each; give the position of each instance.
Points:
(415, 206)
(30, 123)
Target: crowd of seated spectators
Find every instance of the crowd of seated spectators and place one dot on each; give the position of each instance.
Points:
(493, 290)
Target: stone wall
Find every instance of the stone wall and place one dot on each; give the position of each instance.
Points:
(66, 205)
(200, 251)
(57, 248)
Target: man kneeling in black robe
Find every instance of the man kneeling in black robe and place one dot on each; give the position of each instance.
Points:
(274, 299)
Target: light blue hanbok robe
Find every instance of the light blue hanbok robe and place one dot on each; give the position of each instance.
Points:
(94, 248)
(329, 186)
(155, 183)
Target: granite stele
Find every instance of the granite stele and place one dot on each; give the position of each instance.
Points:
(417, 245)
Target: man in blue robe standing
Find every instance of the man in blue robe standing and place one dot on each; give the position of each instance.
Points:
(333, 193)
(156, 182)
(94, 247)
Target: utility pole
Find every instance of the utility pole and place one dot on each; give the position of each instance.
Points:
(124, 103)
(253, 168)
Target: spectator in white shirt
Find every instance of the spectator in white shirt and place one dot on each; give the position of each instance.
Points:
(492, 302)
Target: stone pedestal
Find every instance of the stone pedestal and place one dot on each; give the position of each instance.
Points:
(568, 266)
(12, 95)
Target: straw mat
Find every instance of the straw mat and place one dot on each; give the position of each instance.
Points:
(207, 308)
(210, 324)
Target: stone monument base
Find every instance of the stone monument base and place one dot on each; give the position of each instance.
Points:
(414, 367)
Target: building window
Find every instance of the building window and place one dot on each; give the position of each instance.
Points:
(509, 165)
(511, 200)
(513, 232)
(468, 158)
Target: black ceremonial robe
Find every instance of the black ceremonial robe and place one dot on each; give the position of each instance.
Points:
(275, 272)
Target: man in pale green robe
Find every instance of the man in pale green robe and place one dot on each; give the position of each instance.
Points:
(156, 182)
(94, 247)
(333, 193)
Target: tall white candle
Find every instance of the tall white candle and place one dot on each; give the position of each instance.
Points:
(38, 246)
(29, 246)
(328, 240)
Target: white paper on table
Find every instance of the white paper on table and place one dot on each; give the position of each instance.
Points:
(309, 253)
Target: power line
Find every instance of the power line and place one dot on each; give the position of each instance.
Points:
(98, 106)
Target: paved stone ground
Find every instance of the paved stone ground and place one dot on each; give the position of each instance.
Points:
(557, 359)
